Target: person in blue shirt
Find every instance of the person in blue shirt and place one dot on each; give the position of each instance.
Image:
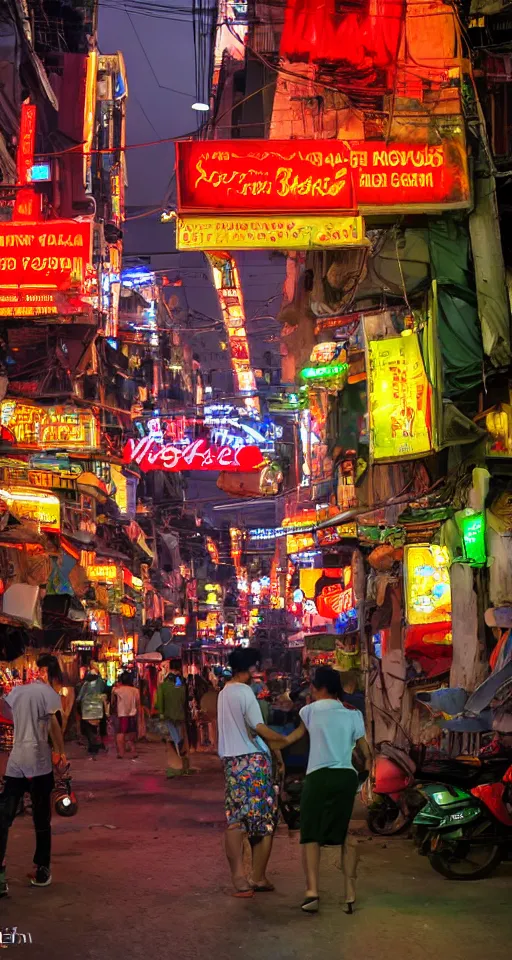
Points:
(331, 780)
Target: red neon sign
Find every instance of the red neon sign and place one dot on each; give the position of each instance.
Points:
(40, 260)
(27, 205)
(196, 456)
(315, 176)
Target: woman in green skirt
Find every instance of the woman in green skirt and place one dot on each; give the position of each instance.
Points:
(331, 781)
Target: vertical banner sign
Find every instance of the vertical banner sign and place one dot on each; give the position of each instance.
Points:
(27, 203)
(399, 399)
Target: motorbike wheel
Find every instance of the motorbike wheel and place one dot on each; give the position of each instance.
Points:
(475, 861)
(387, 819)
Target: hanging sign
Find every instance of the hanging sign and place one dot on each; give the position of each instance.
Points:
(40, 262)
(47, 428)
(43, 508)
(332, 535)
(399, 399)
(102, 572)
(427, 584)
(315, 176)
(196, 456)
(269, 233)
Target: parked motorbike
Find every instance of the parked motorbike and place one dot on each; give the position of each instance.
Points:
(399, 776)
(466, 834)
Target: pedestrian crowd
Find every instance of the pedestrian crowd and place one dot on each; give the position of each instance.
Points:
(302, 759)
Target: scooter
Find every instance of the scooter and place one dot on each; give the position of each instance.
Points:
(398, 780)
(466, 834)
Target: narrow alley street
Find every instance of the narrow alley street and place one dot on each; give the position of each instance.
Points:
(140, 873)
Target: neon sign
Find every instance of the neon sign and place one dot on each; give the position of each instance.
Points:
(269, 233)
(229, 290)
(40, 261)
(62, 427)
(315, 176)
(326, 372)
(101, 572)
(196, 456)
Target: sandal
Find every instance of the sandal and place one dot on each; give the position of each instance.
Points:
(244, 893)
(263, 887)
(310, 904)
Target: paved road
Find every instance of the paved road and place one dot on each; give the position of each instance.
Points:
(156, 886)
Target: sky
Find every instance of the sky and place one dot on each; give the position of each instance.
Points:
(158, 53)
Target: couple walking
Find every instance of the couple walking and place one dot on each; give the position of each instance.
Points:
(245, 745)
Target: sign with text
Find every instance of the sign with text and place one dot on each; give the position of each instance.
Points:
(40, 262)
(264, 233)
(48, 428)
(196, 456)
(316, 176)
(42, 508)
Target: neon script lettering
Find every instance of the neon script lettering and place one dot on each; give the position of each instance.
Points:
(196, 456)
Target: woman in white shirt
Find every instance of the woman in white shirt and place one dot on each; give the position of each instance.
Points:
(331, 781)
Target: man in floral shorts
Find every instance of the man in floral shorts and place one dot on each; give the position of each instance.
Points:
(251, 802)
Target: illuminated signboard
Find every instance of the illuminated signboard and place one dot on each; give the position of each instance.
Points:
(62, 427)
(40, 262)
(196, 456)
(314, 176)
(427, 584)
(299, 233)
(326, 372)
(226, 280)
(332, 535)
(399, 399)
(43, 508)
(102, 572)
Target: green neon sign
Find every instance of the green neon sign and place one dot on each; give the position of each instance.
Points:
(472, 530)
(324, 372)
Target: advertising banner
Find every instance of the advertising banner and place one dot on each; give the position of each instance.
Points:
(269, 233)
(40, 262)
(48, 428)
(399, 399)
(317, 176)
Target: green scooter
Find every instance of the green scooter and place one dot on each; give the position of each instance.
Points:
(465, 835)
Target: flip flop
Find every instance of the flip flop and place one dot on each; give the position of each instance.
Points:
(243, 894)
(263, 887)
(310, 905)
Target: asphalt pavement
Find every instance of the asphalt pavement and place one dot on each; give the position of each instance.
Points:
(140, 873)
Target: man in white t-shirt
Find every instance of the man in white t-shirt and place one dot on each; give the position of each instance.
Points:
(33, 707)
(251, 802)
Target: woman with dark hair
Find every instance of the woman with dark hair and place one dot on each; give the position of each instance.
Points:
(331, 780)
